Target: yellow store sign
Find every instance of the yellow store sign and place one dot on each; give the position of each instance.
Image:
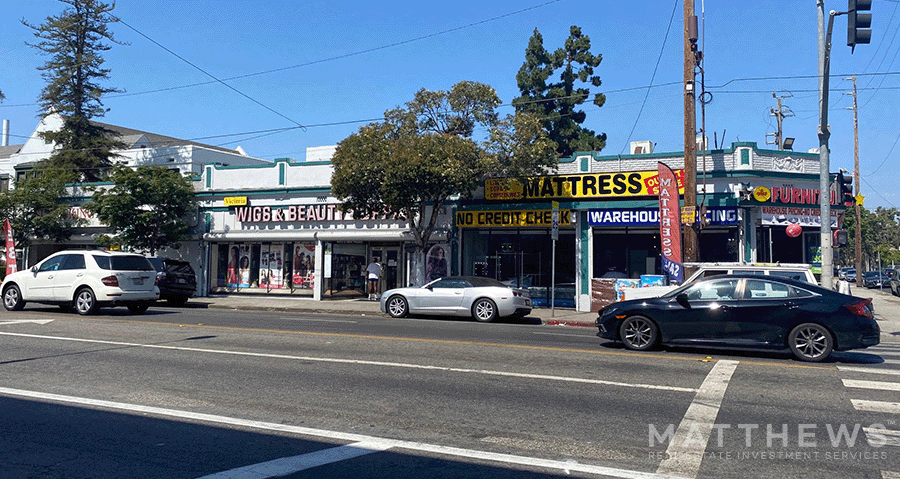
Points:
(592, 185)
(510, 218)
(235, 201)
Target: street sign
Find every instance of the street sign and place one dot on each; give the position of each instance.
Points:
(554, 222)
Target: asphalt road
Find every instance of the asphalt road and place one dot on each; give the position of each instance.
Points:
(184, 393)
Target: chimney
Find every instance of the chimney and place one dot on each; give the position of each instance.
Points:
(5, 133)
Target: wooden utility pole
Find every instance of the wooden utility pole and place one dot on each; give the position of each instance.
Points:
(858, 235)
(691, 236)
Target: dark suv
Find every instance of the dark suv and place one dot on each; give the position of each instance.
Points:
(175, 278)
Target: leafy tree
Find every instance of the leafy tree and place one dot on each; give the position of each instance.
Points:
(423, 153)
(147, 208)
(880, 235)
(555, 100)
(37, 211)
(74, 41)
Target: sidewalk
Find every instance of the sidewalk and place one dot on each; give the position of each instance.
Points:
(887, 308)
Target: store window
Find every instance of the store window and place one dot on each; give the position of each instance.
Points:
(348, 262)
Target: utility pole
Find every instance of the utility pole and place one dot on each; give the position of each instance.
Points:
(691, 236)
(858, 239)
(780, 113)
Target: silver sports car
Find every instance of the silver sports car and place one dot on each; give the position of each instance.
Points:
(484, 299)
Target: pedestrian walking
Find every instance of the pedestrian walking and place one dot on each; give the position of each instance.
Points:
(373, 271)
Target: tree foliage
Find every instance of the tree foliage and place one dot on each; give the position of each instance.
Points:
(880, 236)
(549, 86)
(37, 211)
(425, 152)
(74, 41)
(147, 208)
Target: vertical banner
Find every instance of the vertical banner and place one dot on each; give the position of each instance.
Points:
(670, 223)
(10, 249)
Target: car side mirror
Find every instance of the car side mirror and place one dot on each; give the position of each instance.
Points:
(683, 300)
(34, 269)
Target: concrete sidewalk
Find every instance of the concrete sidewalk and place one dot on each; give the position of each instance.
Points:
(887, 308)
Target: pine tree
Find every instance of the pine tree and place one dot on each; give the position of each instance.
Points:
(554, 100)
(74, 41)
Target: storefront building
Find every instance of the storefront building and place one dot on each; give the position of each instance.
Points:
(286, 234)
(609, 218)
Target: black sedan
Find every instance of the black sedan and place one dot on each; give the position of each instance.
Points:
(745, 311)
(875, 279)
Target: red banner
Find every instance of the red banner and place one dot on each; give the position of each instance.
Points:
(10, 249)
(670, 223)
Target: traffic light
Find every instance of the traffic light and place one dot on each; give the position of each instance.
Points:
(841, 238)
(845, 188)
(858, 24)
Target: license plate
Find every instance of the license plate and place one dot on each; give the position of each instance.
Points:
(138, 281)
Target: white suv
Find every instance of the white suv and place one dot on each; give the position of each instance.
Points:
(84, 280)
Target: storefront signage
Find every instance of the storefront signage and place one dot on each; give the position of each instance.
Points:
(669, 223)
(784, 215)
(292, 214)
(593, 185)
(235, 200)
(650, 217)
(789, 194)
(506, 219)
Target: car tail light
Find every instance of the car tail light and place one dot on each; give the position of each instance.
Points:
(110, 281)
(861, 308)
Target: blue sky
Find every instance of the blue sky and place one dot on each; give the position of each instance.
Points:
(331, 65)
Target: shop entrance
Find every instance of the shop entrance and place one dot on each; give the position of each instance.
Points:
(389, 259)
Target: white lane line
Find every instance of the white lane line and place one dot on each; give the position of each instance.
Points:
(878, 437)
(890, 475)
(485, 372)
(855, 369)
(876, 406)
(686, 448)
(371, 441)
(20, 321)
(880, 385)
(290, 465)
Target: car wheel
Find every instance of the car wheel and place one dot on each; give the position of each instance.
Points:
(484, 310)
(638, 333)
(138, 308)
(811, 342)
(397, 306)
(12, 298)
(85, 301)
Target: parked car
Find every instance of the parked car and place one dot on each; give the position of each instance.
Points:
(874, 279)
(176, 279)
(85, 280)
(485, 299)
(747, 311)
(850, 275)
(894, 281)
(842, 273)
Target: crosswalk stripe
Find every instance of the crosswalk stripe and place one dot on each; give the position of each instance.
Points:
(876, 406)
(886, 437)
(880, 385)
(890, 475)
(289, 465)
(856, 369)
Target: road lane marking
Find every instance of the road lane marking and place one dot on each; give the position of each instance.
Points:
(362, 362)
(876, 406)
(290, 465)
(890, 475)
(337, 435)
(879, 385)
(19, 321)
(855, 369)
(686, 448)
(880, 436)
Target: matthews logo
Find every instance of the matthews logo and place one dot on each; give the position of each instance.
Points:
(753, 435)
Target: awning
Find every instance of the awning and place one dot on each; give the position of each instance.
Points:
(320, 235)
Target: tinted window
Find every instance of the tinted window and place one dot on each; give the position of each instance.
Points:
(757, 289)
(722, 290)
(51, 264)
(73, 261)
(102, 261)
(130, 263)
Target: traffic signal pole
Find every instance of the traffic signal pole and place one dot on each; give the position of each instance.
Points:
(827, 250)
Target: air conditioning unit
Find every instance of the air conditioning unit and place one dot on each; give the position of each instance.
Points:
(641, 147)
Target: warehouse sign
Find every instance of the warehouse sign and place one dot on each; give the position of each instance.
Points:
(511, 218)
(584, 186)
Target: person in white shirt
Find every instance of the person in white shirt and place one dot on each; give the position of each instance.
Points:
(373, 272)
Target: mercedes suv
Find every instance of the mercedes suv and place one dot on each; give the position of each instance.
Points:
(84, 280)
